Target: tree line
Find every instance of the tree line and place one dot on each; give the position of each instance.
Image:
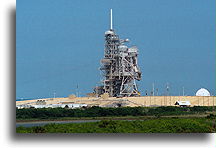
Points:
(51, 113)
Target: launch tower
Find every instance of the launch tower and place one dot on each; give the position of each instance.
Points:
(119, 66)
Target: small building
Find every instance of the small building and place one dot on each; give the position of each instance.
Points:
(183, 103)
(69, 105)
(77, 105)
(41, 102)
(39, 106)
(23, 106)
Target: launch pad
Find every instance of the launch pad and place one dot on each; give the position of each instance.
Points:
(119, 66)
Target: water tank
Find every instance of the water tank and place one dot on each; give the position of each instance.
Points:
(133, 49)
(202, 92)
(122, 48)
(109, 32)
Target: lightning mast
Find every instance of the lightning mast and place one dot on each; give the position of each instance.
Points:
(119, 66)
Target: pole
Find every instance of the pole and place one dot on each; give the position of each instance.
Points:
(167, 89)
(111, 21)
(77, 93)
(183, 90)
(157, 91)
(54, 94)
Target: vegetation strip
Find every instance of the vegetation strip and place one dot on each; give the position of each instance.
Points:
(171, 125)
(111, 118)
(60, 113)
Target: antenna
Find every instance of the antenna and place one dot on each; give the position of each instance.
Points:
(167, 88)
(54, 94)
(77, 91)
(183, 91)
(111, 24)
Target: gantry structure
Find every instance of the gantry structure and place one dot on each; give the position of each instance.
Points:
(119, 66)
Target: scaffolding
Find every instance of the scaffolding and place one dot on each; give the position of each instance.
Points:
(119, 66)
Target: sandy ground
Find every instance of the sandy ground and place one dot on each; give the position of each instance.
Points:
(127, 101)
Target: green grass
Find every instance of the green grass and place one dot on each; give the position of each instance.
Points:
(158, 125)
(111, 118)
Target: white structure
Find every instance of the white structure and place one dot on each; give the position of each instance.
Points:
(72, 106)
(23, 106)
(202, 92)
(119, 66)
(183, 103)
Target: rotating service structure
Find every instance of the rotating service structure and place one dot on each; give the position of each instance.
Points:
(119, 66)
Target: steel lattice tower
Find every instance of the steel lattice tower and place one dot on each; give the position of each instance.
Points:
(119, 66)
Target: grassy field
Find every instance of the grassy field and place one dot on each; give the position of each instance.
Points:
(111, 118)
(120, 120)
(161, 125)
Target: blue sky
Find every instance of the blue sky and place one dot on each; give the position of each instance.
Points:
(59, 44)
